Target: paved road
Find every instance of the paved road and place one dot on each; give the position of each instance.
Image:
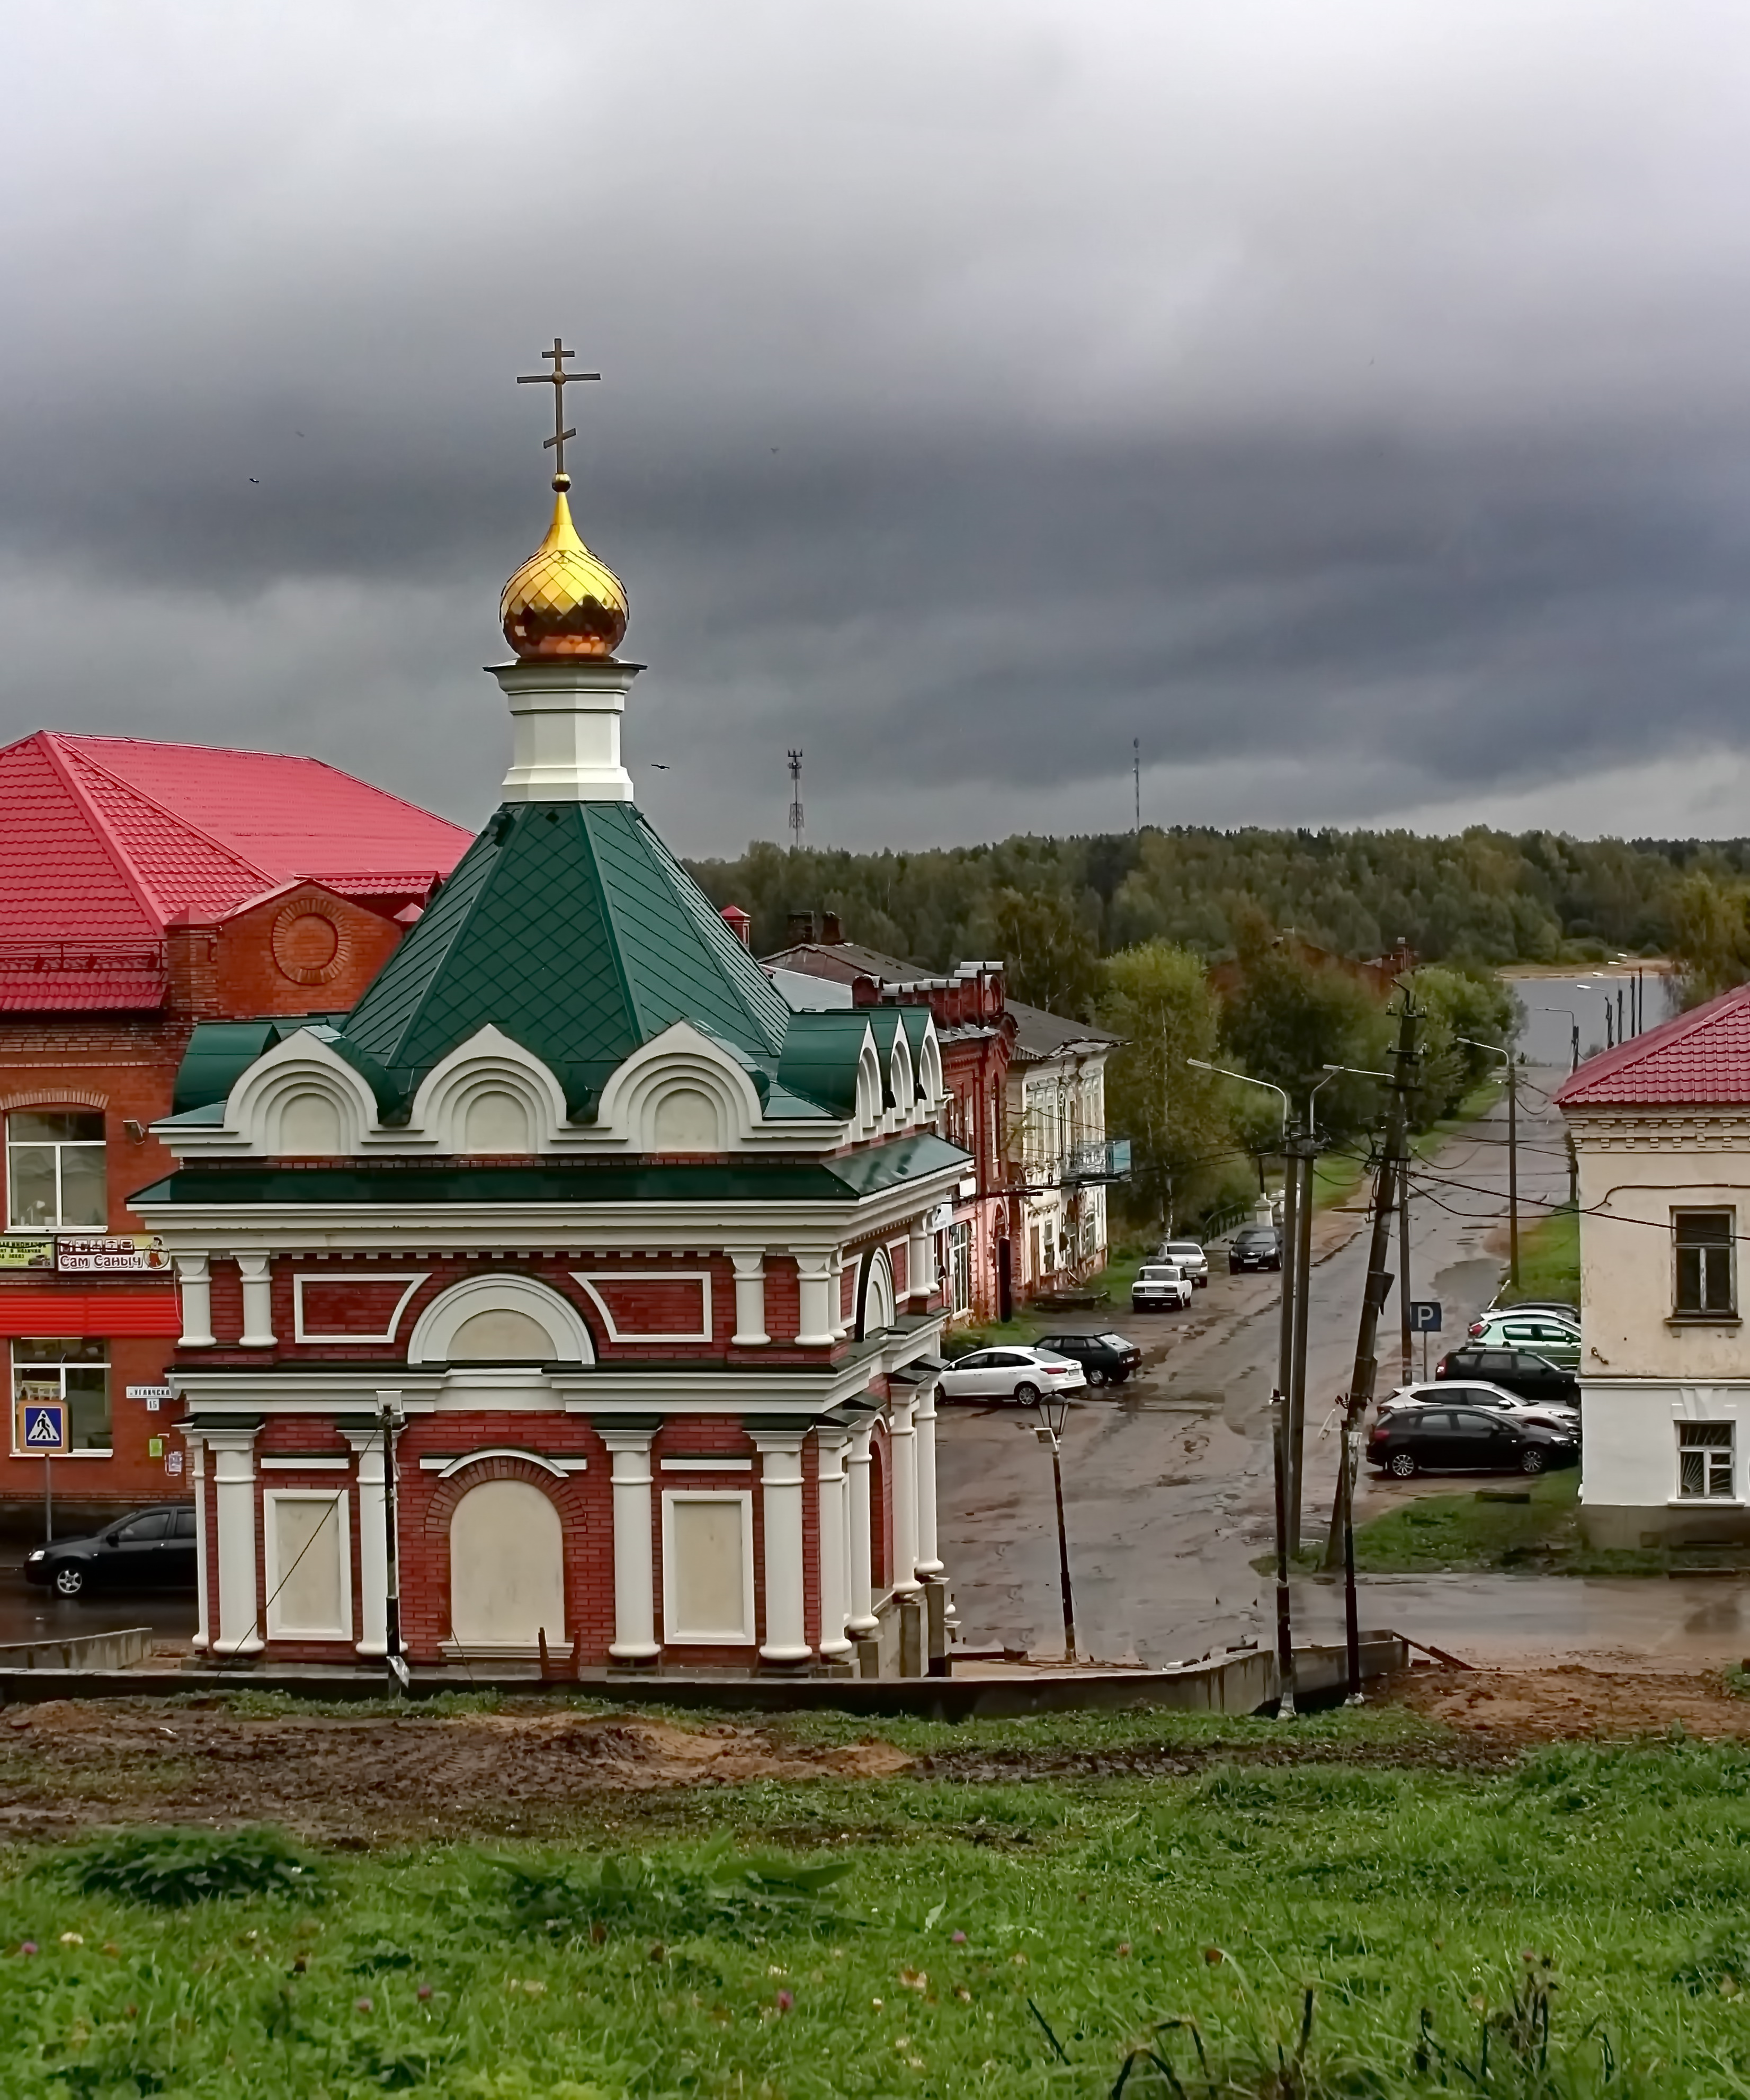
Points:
(1168, 1488)
(29, 1614)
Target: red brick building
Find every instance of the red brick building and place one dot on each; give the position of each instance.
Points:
(146, 888)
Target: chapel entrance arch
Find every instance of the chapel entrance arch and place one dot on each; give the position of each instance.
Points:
(507, 1570)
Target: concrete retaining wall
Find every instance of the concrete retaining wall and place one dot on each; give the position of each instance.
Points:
(84, 1652)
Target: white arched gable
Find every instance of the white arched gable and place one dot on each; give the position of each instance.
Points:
(901, 1084)
(868, 1087)
(300, 1099)
(500, 1309)
(489, 1094)
(681, 1092)
(930, 1067)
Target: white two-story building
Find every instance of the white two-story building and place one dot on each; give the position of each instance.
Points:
(1661, 1126)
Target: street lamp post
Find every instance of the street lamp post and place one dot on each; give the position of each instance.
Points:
(1054, 1413)
(1281, 1406)
(1513, 1151)
(1573, 1020)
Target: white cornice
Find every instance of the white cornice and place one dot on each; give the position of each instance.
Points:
(1724, 1129)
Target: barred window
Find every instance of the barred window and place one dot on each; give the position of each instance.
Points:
(1704, 1280)
(1704, 1460)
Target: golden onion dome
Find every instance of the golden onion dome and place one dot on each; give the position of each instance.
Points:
(562, 602)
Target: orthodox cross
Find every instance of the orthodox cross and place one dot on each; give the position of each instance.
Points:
(558, 379)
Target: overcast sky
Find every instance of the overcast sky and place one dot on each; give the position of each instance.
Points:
(1351, 402)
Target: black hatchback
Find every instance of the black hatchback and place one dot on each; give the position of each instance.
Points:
(1255, 1246)
(1519, 1371)
(1467, 1439)
(151, 1549)
(1107, 1359)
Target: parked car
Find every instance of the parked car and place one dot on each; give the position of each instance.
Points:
(1011, 1374)
(1255, 1246)
(1161, 1286)
(1105, 1359)
(1541, 1333)
(1188, 1255)
(1467, 1439)
(150, 1549)
(1520, 1371)
(1559, 1307)
(1473, 1393)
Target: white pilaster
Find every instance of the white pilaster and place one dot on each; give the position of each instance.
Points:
(257, 1271)
(750, 1298)
(920, 1263)
(841, 1320)
(829, 1444)
(565, 728)
(374, 1539)
(239, 1549)
(195, 1285)
(634, 1566)
(817, 1326)
(924, 1440)
(781, 1507)
(861, 1592)
(902, 1444)
(198, 1473)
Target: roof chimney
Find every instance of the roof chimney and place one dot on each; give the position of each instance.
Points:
(739, 922)
(830, 931)
(801, 929)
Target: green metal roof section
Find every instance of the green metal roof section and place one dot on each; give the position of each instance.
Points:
(850, 1177)
(571, 928)
(219, 1053)
(820, 1056)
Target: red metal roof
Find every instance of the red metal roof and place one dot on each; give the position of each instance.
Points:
(1699, 1059)
(104, 840)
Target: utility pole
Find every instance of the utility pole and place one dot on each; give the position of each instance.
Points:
(795, 801)
(1405, 1343)
(1306, 1148)
(1373, 1296)
(1136, 777)
(389, 1420)
(1512, 1169)
(1289, 1243)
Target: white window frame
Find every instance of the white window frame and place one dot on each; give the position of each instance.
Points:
(1709, 1453)
(56, 1373)
(959, 1266)
(58, 1145)
(339, 1499)
(674, 1634)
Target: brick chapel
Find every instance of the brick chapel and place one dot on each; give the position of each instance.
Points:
(569, 1299)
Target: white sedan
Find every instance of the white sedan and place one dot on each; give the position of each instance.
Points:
(1008, 1374)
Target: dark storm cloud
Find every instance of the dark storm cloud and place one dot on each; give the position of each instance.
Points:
(1352, 406)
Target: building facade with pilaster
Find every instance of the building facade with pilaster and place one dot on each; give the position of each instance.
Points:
(575, 1249)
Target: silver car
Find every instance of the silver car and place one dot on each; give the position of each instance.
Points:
(1186, 1255)
(1472, 1392)
(1011, 1374)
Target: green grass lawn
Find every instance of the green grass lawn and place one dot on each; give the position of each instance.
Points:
(1548, 1260)
(1373, 1917)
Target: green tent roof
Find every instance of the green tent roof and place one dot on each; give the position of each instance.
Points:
(573, 930)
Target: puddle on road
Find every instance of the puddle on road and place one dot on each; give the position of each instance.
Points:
(1468, 1282)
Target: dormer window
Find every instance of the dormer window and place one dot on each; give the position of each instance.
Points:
(56, 1174)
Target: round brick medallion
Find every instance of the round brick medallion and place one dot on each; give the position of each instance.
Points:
(308, 946)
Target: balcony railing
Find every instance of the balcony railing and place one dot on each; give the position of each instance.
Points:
(1100, 1159)
(25, 958)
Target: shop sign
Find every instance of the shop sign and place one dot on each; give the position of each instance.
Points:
(18, 1252)
(119, 1254)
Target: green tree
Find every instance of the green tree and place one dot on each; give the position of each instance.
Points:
(1157, 999)
(1458, 1003)
(1710, 935)
(1289, 1016)
(1050, 955)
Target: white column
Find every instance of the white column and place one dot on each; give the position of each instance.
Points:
(634, 1570)
(374, 1540)
(194, 1281)
(920, 1263)
(923, 1461)
(842, 1321)
(750, 1298)
(861, 1593)
(902, 1444)
(780, 1507)
(834, 1603)
(197, 1472)
(257, 1271)
(565, 726)
(234, 1501)
(817, 1322)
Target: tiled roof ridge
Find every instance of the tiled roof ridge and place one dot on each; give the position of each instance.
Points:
(241, 860)
(1649, 1049)
(147, 899)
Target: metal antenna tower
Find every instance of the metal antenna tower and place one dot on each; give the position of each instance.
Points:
(795, 801)
(1136, 777)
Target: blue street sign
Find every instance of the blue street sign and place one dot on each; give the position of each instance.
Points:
(42, 1427)
(1424, 1316)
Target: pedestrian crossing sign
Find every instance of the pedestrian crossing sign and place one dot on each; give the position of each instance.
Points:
(40, 1429)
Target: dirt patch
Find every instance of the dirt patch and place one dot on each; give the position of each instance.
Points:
(1521, 1707)
(66, 1763)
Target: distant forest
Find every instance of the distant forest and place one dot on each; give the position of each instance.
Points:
(1478, 900)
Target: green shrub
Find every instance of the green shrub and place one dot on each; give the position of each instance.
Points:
(715, 1890)
(172, 1868)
